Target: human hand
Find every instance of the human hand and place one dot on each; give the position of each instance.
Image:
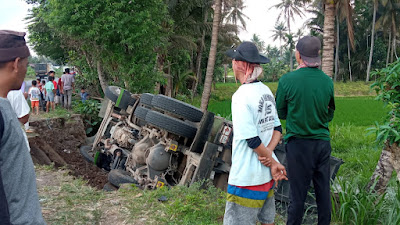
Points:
(265, 161)
(278, 172)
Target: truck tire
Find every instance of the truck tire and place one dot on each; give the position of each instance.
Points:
(181, 109)
(171, 124)
(146, 99)
(141, 112)
(118, 177)
(85, 151)
(121, 97)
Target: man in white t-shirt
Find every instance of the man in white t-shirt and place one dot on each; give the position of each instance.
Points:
(21, 108)
(256, 132)
(19, 105)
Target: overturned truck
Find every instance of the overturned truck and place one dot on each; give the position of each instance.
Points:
(154, 141)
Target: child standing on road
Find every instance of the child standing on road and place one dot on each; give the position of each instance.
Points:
(34, 93)
(49, 88)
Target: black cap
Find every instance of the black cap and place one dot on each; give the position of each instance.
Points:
(248, 52)
(309, 47)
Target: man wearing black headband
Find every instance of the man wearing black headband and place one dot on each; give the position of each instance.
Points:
(305, 99)
(17, 174)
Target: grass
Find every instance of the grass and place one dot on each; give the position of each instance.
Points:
(66, 200)
(224, 91)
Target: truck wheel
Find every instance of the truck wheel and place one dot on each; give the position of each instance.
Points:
(141, 112)
(118, 177)
(181, 109)
(86, 152)
(146, 99)
(109, 187)
(171, 124)
(121, 97)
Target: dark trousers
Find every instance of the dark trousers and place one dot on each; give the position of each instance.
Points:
(308, 160)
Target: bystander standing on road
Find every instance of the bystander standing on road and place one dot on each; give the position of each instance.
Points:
(256, 132)
(305, 99)
(50, 92)
(16, 167)
(57, 98)
(68, 86)
(34, 94)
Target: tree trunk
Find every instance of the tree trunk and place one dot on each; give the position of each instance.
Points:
(291, 52)
(337, 47)
(349, 57)
(199, 57)
(291, 59)
(329, 40)
(388, 161)
(212, 57)
(372, 41)
(225, 72)
(394, 38)
(100, 74)
(168, 91)
(388, 50)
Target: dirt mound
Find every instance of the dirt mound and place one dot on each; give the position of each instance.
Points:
(58, 140)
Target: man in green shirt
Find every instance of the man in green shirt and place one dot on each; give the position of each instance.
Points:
(305, 99)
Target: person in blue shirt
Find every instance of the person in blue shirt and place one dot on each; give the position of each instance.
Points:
(84, 94)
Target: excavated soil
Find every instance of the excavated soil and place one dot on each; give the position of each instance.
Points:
(57, 141)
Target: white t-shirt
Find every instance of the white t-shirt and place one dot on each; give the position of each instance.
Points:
(253, 114)
(20, 107)
(34, 92)
(18, 103)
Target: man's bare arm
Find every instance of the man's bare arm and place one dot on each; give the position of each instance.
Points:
(24, 119)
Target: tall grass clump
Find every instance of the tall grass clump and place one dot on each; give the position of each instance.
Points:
(352, 203)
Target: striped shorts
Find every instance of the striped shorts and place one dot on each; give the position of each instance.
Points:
(249, 204)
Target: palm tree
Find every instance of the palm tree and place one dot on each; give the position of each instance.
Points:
(279, 33)
(289, 8)
(328, 38)
(258, 42)
(291, 45)
(372, 40)
(212, 56)
(235, 12)
(329, 31)
(390, 20)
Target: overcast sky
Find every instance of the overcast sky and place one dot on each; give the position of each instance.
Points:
(262, 19)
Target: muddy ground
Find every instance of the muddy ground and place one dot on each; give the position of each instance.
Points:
(57, 141)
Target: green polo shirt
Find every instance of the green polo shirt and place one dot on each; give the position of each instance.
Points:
(305, 99)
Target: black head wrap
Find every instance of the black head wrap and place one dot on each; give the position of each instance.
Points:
(12, 46)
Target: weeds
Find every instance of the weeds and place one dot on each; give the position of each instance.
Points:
(89, 111)
(353, 204)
